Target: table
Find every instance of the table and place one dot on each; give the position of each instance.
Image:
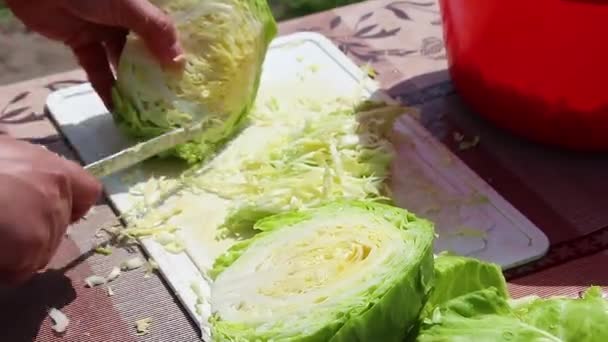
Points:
(563, 193)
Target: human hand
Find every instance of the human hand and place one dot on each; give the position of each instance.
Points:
(41, 195)
(96, 30)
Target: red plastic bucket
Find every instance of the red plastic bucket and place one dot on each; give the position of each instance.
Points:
(538, 68)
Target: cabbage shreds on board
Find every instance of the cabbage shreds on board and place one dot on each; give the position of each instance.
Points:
(297, 154)
(225, 43)
(346, 271)
(344, 154)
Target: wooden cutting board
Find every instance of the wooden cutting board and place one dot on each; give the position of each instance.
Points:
(471, 218)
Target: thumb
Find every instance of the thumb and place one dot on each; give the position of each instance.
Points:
(140, 16)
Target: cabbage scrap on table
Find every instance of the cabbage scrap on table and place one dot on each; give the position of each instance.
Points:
(225, 43)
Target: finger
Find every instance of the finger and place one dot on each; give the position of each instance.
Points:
(149, 22)
(56, 195)
(86, 190)
(93, 59)
(20, 231)
(62, 214)
(92, 33)
(114, 46)
(112, 38)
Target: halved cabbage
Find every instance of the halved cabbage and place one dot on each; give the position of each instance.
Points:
(347, 271)
(225, 44)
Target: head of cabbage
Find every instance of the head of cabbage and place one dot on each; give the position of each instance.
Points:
(225, 43)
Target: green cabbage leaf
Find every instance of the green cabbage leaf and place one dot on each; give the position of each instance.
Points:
(569, 319)
(343, 154)
(457, 275)
(486, 315)
(481, 316)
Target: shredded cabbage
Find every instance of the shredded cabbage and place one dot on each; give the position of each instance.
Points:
(344, 154)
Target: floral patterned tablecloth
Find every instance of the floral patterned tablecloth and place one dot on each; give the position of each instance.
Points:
(562, 193)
